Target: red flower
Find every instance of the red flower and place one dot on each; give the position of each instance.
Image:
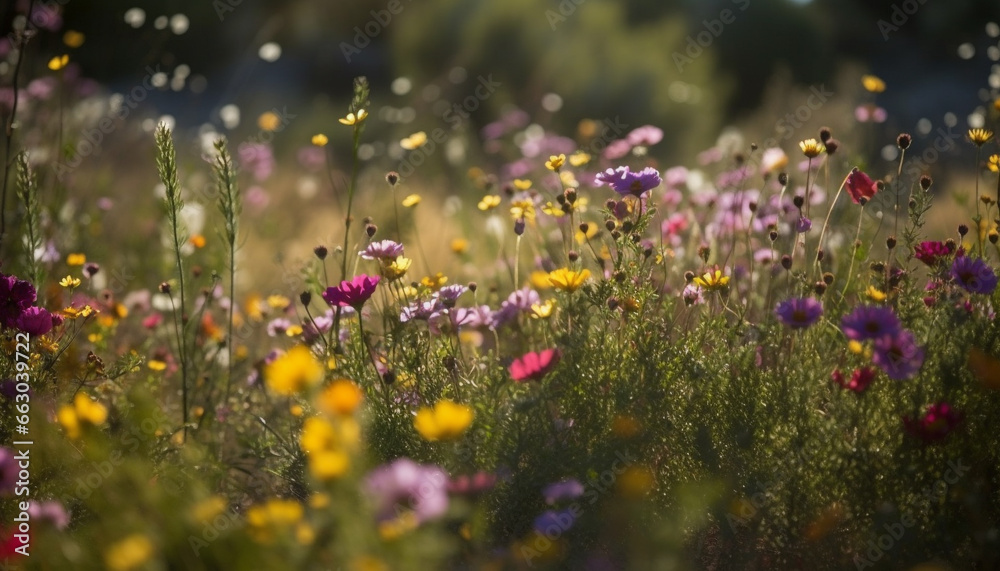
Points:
(353, 293)
(939, 421)
(859, 381)
(534, 366)
(860, 185)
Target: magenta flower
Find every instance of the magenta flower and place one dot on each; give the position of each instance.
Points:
(799, 313)
(973, 274)
(870, 322)
(931, 253)
(859, 381)
(534, 366)
(646, 136)
(474, 484)
(567, 489)
(625, 182)
(34, 321)
(15, 297)
(859, 185)
(406, 484)
(935, 424)
(353, 293)
(898, 355)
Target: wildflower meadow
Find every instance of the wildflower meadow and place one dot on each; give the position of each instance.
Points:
(373, 332)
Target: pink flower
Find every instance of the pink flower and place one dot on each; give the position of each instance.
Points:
(35, 321)
(534, 366)
(859, 381)
(935, 424)
(860, 185)
(353, 293)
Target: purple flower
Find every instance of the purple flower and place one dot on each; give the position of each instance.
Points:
(554, 522)
(52, 510)
(898, 355)
(931, 253)
(646, 135)
(278, 327)
(567, 489)
(383, 250)
(616, 149)
(8, 471)
(35, 321)
(352, 293)
(803, 225)
(449, 294)
(799, 313)
(625, 182)
(519, 301)
(15, 296)
(870, 322)
(973, 274)
(258, 159)
(422, 488)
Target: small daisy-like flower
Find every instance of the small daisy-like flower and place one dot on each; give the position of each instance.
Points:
(980, 137)
(320, 140)
(873, 83)
(811, 148)
(522, 184)
(434, 282)
(555, 162)
(773, 160)
(353, 119)
(69, 282)
(870, 322)
(799, 313)
(522, 210)
(489, 202)
(382, 250)
(993, 163)
(712, 280)
(565, 279)
(898, 355)
(411, 200)
(974, 275)
(414, 141)
(626, 182)
(875, 294)
(543, 310)
(445, 421)
(395, 269)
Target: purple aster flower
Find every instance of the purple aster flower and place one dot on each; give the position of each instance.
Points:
(15, 296)
(382, 250)
(35, 321)
(420, 310)
(931, 253)
(449, 294)
(481, 316)
(799, 313)
(519, 301)
(973, 274)
(352, 293)
(898, 355)
(803, 225)
(625, 182)
(567, 489)
(422, 488)
(554, 522)
(8, 471)
(870, 322)
(278, 327)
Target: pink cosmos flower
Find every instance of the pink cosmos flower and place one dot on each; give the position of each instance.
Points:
(534, 366)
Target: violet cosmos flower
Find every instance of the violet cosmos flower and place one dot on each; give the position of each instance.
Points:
(15, 297)
(382, 250)
(352, 293)
(34, 321)
(625, 182)
(898, 355)
(973, 274)
(859, 185)
(567, 489)
(799, 313)
(534, 366)
(422, 488)
(939, 420)
(870, 322)
(931, 253)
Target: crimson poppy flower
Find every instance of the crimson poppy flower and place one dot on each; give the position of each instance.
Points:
(859, 185)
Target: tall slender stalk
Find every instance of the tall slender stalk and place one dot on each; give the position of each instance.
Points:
(22, 37)
(166, 164)
(230, 205)
(27, 191)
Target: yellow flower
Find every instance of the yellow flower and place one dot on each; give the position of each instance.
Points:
(873, 83)
(83, 410)
(69, 281)
(540, 279)
(397, 268)
(434, 282)
(208, 509)
(446, 421)
(581, 237)
(712, 280)
(294, 371)
(320, 140)
(319, 500)
(253, 306)
(522, 184)
(875, 294)
(980, 137)
(811, 148)
(76, 259)
(129, 553)
(414, 141)
(522, 209)
(459, 245)
(325, 447)
(489, 202)
(73, 39)
(58, 62)
(565, 279)
(276, 301)
(353, 119)
(553, 210)
(579, 158)
(543, 310)
(198, 241)
(269, 121)
(411, 200)
(293, 330)
(555, 162)
(296, 410)
(993, 163)
(156, 365)
(273, 517)
(855, 347)
(568, 179)
(341, 397)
